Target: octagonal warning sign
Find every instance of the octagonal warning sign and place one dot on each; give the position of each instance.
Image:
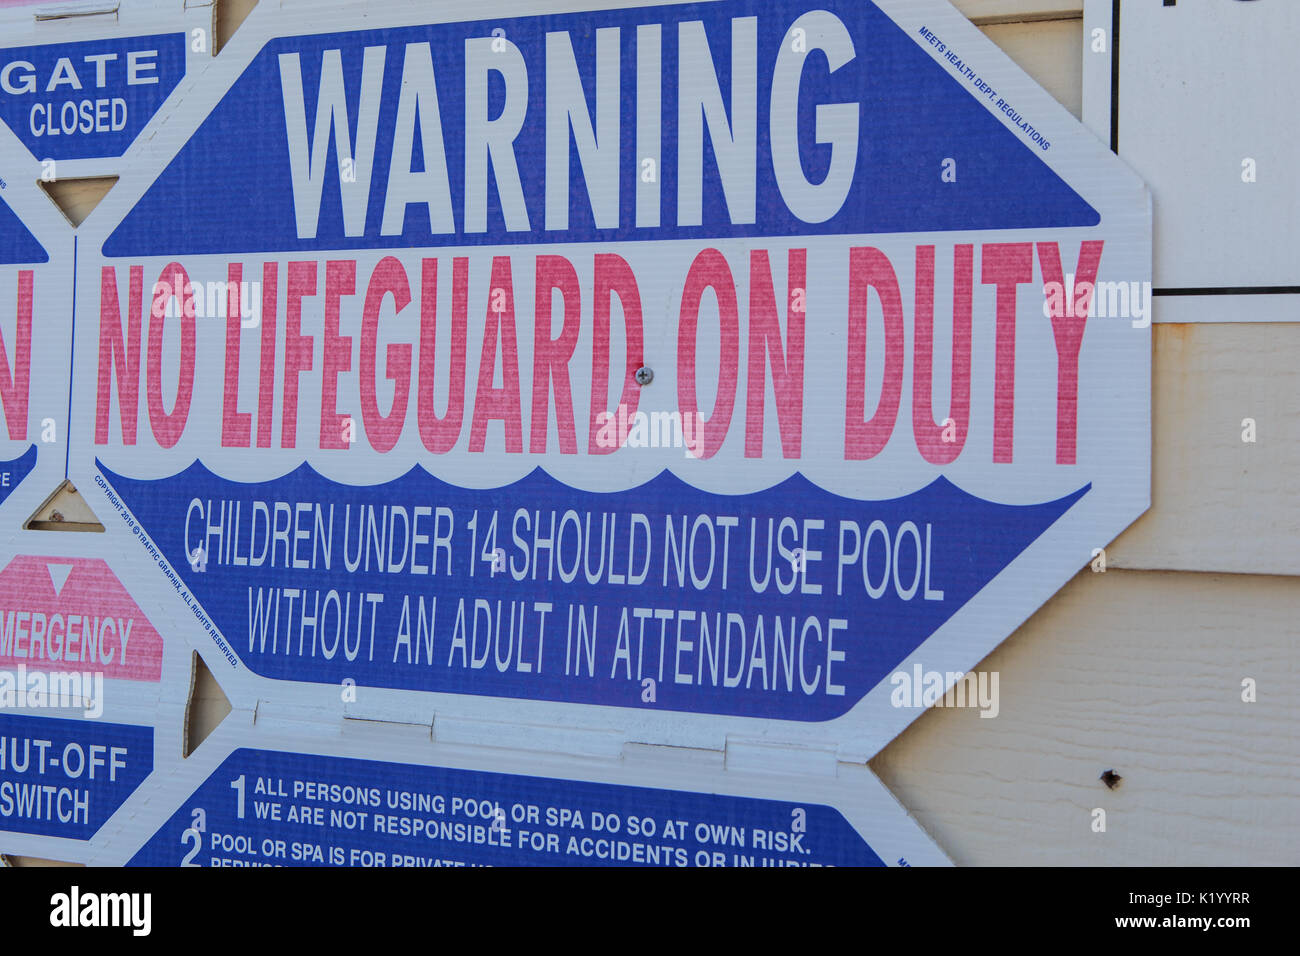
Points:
(687, 370)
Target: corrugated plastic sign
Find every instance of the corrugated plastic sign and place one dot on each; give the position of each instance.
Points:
(685, 371)
(78, 90)
(35, 321)
(87, 99)
(92, 697)
(251, 798)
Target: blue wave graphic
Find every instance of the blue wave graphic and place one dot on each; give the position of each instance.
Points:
(700, 594)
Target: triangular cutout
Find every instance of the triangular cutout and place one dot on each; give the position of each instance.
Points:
(64, 510)
(231, 15)
(58, 575)
(208, 706)
(77, 198)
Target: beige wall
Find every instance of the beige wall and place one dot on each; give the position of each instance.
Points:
(1138, 669)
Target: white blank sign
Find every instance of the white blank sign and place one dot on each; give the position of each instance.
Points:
(1206, 92)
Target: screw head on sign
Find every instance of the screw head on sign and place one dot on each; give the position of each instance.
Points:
(645, 375)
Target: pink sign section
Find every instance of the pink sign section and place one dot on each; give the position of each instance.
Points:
(74, 614)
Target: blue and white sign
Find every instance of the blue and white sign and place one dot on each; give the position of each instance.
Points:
(78, 91)
(87, 99)
(335, 806)
(93, 694)
(18, 249)
(36, 293)
(65, 778)
(682, 371)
